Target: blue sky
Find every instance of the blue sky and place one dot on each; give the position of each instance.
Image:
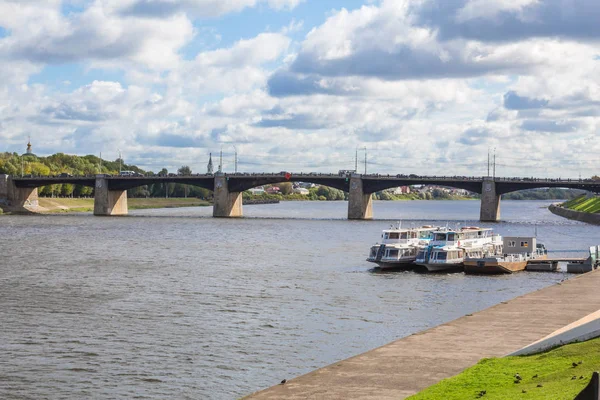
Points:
(428, 86)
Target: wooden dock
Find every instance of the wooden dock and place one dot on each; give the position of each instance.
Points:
(557, 260)
(409, 365)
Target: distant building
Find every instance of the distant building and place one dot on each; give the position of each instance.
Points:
(302, 191)
(209, 167)
(401, 190)
(273, 190)
(257, 190)
(29, 151)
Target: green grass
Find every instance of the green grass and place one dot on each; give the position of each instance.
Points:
(136, 204)
(584, 203)
(58, 205)
(553, 368)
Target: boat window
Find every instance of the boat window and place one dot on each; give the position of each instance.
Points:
(421, 255)
(524, 244)
(512, 243)
(373, 252)
(403, 235)
(451, 237)
(392, 253)
(441, 256)
(439, 236)
(394, 235)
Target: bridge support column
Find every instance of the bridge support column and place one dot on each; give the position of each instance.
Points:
(15, 199)
(360, 205)
(490, 202)
(109, 202)
(226, 204)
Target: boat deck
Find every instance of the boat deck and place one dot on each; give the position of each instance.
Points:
(409, 365)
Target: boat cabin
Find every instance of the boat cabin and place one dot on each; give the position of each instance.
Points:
(519, 244)
(391, 236)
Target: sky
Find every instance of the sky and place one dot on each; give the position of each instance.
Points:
(415, 86)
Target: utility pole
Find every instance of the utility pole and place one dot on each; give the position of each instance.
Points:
(365, 160)
(494, 163)
(120, 161)
(221, 160)
(488, 164)
(235, 159)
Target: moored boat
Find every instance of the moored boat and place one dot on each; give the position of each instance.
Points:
(399, 246)
(517, 251)
(448, 248)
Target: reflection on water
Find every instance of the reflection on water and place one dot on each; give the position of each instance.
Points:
(173, 304)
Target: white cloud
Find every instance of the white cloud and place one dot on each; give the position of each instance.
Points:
(198, 8)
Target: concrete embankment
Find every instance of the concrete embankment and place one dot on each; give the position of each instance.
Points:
(409, 365)
(590, 218)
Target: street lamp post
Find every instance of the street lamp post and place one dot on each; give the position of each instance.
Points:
(235, 160)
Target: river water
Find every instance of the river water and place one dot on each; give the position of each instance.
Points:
(173, 304)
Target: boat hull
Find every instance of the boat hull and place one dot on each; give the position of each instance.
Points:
(491, 267)
(439, 267)
(395, 265)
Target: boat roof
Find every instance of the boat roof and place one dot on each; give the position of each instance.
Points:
(420, 228)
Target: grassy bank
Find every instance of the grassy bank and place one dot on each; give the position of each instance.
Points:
(53, 205)
(548, 375)
(584, 204)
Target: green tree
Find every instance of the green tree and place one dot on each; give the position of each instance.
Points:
(285, 188)
(184, 170)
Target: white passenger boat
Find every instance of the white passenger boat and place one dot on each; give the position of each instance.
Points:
(399, 246)
(448, 248)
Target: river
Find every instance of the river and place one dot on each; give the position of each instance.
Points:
(173, 304)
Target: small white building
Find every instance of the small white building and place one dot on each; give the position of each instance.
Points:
(302, 191)
(257, 190)
(401, 190)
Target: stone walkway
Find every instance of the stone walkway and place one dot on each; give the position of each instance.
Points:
(406, 366)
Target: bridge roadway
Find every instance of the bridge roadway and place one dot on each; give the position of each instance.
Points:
(19, 194)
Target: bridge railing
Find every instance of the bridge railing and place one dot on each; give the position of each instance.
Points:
(328, 175)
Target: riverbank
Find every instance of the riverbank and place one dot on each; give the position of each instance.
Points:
(584, 203)
(583, 216)
(414, 363)
(539, 374)
(58, 205)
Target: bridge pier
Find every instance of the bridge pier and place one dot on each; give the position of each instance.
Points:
(360, 205)
(226, 204)
(109, 202)
(15, 199)
(490, 202)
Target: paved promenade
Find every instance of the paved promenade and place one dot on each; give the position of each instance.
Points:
(406, 366)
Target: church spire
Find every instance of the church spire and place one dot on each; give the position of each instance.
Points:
(29, 146)
(210, 164)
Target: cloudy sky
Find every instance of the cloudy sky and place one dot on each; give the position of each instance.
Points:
(426, 86)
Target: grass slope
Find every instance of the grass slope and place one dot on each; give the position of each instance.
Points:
(554, 370)
(584, 203)
(87, 205)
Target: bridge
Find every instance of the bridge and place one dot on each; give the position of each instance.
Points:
(19, 194)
